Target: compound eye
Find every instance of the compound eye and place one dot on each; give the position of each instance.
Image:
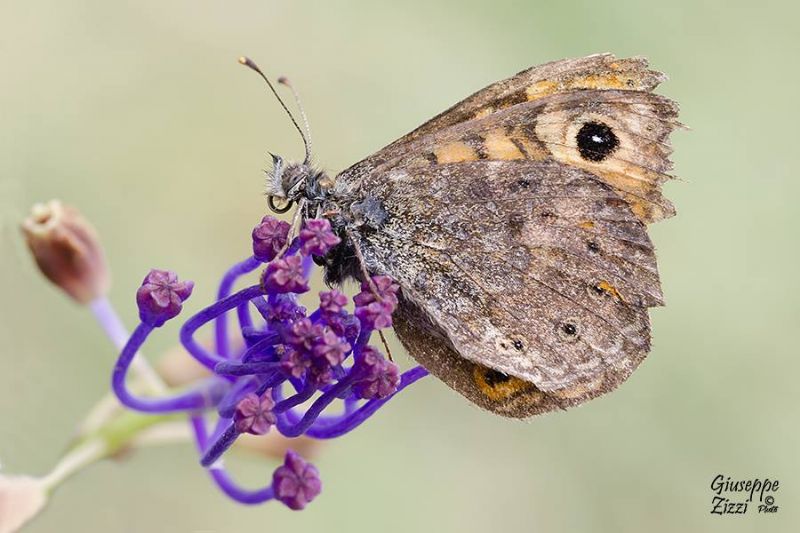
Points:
(279, 205)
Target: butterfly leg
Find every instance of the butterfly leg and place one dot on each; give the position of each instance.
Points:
(365, 273)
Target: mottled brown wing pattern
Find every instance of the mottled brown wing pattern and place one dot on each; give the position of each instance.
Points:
(547, 128)
(492, 390)
(523, 255)
(599, 71)
(512, 246)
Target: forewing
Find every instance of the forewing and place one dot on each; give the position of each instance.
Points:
(538, 114)
(599, 71)
(534, 268)
(548, 128)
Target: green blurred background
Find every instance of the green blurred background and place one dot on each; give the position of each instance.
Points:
(138, 114)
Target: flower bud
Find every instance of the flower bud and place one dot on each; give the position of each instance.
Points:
(317, 237)
(269, 237)
(285, 275)
(332, 302)
(296, 482)
(379, 377)
(254, 414)
(21, 498)
(161, 296)
(67, 250)
(375, 304)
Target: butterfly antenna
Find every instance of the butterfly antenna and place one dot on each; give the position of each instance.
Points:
(283, 80)
(246, 61)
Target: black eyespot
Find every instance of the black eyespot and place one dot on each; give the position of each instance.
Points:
(569, 330)
(596, 141)
(593, 247)
(493, 377)
(524, 183)
(518, 345)
(598, 290)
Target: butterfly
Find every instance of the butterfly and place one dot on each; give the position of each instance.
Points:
(515, 223)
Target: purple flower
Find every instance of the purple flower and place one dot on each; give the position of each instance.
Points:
(284, 309)
(254, 415)
(331, 348)
(376, 312)
(291, 368)
(332, 302)
(296, 483)
(312, 350)
(269, 237)
(376, 315)
(295, 363)
(303, 334)
(386, 288)
(381, 377)
(346, 326)
(161, 297)
(285, 275)
(317, 238)
(320, 373)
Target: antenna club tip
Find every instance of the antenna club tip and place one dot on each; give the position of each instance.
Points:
(246, 61)
(283, 80)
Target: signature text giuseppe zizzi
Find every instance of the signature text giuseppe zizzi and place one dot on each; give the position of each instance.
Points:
(737, 496)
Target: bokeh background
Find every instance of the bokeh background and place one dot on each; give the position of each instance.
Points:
(138, 113)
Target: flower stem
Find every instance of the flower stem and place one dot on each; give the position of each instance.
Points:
(111, 324)
(78, 458)
(350, 421)
(225, 287)
(211, 312)
(117, 434)
(200, 398)
(223, 480)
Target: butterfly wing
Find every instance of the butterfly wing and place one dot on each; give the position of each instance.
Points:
(486, 387)
(549, 122)
(523, 254)
(599, 71)
(552, 127)
(534, 268)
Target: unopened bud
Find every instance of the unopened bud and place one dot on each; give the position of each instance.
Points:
(67, 250)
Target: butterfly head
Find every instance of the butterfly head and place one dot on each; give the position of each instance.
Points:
(289, 182)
